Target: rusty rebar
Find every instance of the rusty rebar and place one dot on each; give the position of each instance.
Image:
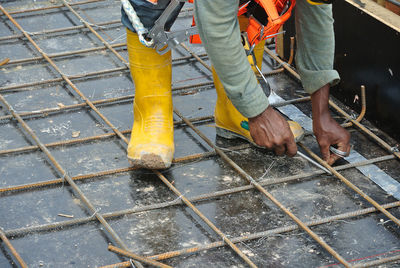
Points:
(47, 111)
(7, 242)
(245, 175)
(4, 62)
(68, 53)
(285, 65)
(378, 262)
(363, 108)
(350, 185)
(291, 57)
(381, 142)
(56, 80)
(54, 7)
(137, 257)
(58, 30)
(279, 230)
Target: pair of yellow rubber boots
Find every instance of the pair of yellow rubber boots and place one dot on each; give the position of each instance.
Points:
(152, 139)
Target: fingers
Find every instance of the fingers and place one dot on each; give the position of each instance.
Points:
(280, 150)
(291, 148)
(326, 154)
(270, 130)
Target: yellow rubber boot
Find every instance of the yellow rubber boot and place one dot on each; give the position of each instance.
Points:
(229, 122)
(152, 139)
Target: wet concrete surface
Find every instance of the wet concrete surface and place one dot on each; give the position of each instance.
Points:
(173, 227)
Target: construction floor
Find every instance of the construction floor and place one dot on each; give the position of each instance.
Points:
(68, 197)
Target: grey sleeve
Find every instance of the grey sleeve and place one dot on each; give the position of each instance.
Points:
(315, 45)
(219, 31)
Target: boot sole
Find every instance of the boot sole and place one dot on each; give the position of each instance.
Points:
(230, 135)
(149, 161)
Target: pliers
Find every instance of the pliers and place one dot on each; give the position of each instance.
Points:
(163, 40)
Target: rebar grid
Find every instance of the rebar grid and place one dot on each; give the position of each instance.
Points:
(223, 243)
(119, 134)
(195, 199)
(279, 230)
(64, 174)
(252, 181)
(351, 185)
(220, 152)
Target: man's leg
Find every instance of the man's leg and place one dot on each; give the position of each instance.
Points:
(151, 144)
(314, 59)
(315, 45)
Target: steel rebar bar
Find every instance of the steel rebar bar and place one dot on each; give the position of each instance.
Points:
(381, 142)
(64, 1)
(378, 262)
(58, 30)
(137, 257)
(7, 242)
(54, 7)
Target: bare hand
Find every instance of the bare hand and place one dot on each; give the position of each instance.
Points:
(327, 131)
(270, 130)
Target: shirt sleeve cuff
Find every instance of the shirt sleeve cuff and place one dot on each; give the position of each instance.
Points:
(314, 80)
